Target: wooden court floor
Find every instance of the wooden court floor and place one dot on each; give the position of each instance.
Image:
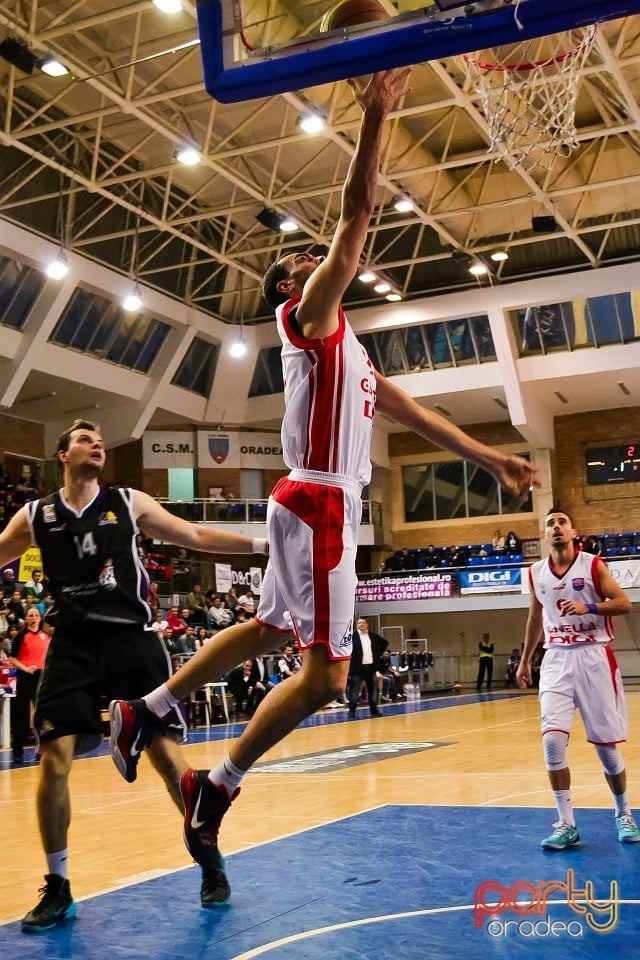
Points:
(467, 751)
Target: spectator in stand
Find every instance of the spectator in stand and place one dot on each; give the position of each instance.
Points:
(196, 598)
(202, 636)
(458, 557)
(153, 599)
(231, 599)
(28, 652)
(593, 545)
(8, 582)
(407, 561)
(431, 558)
(159, 623)
(392, 563)
(226, 493)
(289, 663)
(498, 541)
(246, 602)
(175, 622)
(33, 590)
(17, 606)
(218, 617)
(512, 543)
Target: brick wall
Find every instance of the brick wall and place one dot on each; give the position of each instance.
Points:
(599, 509)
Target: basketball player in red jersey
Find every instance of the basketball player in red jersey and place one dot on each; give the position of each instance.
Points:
(331, 394)
(573, 597)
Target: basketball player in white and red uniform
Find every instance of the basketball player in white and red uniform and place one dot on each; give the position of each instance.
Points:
(331, 394)
(573, 597)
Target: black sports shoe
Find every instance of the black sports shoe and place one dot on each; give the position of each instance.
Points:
(56, 904)
(132, 726)
(215, 890)
(205, 805)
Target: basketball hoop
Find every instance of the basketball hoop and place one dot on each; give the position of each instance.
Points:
(528, 92)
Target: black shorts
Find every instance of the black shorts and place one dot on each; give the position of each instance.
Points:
(85, 670)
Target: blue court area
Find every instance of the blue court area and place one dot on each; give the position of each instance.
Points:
(397, 882)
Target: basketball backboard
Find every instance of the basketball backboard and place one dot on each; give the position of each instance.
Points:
(250, 50)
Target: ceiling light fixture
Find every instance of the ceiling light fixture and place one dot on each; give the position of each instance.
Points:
(58, 269)
(289, 225)
(382, 287)
(274, 221)
(499, 256)
(168, 6)
(367, 277)
(187, 155)
(393, 297)
(479, 269)
(312, 123)
(87, 406)
(239, 347)
(53, 67)
(133, 300)
(403, 205)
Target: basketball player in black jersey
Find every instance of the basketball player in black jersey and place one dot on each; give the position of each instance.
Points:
(103, 643)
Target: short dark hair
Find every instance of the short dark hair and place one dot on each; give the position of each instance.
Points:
(559, 510)
(276, 272)
(65, 437)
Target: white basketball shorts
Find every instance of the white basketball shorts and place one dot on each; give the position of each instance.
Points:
(584, 678)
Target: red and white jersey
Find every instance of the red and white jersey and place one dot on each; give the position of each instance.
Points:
(580, 582)
(329, 395)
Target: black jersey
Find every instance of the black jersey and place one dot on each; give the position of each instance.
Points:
(91, 559)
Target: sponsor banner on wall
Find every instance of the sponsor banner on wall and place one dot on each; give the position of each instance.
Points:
(626, 573)
(254, 451)
(163, 449)
(421, 587)
(491, 581)
(226, 577)
(30, 560)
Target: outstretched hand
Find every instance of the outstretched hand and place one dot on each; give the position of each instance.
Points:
(382, 91)
(518, 476)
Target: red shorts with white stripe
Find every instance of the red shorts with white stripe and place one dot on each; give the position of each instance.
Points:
(584, 678)
(310, 579)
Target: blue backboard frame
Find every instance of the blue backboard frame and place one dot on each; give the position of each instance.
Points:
(395, 43)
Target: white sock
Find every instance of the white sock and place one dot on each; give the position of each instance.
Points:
(622, 803)
(57, 863)
(160, 701)
(227, 775)
(562, 800)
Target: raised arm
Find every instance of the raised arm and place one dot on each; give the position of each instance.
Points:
(158, 523)
(513, 473)
(318, 311)
(15, 538)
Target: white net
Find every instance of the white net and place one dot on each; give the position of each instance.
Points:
(528, 92)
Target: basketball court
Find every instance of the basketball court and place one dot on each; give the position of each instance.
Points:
(413, 835)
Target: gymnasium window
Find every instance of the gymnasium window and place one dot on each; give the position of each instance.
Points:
(198, 367)
(20, 287)
(454, 489)
(97, 326)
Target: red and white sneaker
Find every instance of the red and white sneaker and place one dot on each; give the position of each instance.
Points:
(132, 726)
(205, 805)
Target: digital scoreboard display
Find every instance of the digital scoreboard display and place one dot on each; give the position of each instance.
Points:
(619, 464)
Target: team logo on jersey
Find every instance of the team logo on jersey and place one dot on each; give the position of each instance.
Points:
(578, 583)
(219, 448)
(49, 513)
(347, 638)
(107, 578)
(107, 517)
